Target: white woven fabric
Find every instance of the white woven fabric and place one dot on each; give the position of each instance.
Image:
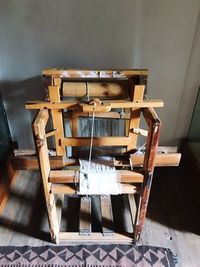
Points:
(98, 179)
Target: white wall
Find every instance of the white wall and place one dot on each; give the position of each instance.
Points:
(158, 34)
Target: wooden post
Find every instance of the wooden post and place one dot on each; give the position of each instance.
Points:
(135, 116)
(54, 96)
(149, 162)
(41, 145)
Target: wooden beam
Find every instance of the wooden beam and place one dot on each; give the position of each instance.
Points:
(96, 237)
(161, 160)
(106, 104)
(115, 73)
(111, 115)
(31, 162)
(165, 156)
(70, 176)
(137, 95)
(41, 145)
(97, 141)
(71, 189)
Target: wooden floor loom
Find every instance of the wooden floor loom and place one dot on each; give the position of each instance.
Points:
(99, 94)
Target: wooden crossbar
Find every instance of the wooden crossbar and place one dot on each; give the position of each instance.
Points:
(96, 237)
(71, 176)
(72, 189)
(107, 105)
(97, 141)
(71, 73)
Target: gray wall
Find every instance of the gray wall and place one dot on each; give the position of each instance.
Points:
(161, 35)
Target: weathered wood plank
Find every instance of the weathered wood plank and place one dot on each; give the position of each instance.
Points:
(95, 237)
(31, 162)
(85, 216)
(106, 215)
(161, 160)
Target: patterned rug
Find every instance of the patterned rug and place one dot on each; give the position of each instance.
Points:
(86, 256)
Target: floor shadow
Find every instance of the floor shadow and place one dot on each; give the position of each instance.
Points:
(173, 201)
(37, 217)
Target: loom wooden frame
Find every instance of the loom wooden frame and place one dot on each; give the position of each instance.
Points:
(60, 182)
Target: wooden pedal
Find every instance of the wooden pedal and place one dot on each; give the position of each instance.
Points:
(85, 216)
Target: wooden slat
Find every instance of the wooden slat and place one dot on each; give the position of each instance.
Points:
(69, 176)
(135, 103)
(31, 162)
(112, 115)
(85, 216)
(133, 208)
(106, 104)
(71, 73)
(106, 215)
(51, 133)
(24, 152)
(97, 141)
(96, 237)
(54, 96)
(59, 206)
(63, 189)
(161, 160)
(71, 189)
(74, 130)
(58, 162)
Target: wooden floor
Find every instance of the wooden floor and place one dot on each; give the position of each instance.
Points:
(173, 219)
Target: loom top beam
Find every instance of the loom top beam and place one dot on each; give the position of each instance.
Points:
(114, 73)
